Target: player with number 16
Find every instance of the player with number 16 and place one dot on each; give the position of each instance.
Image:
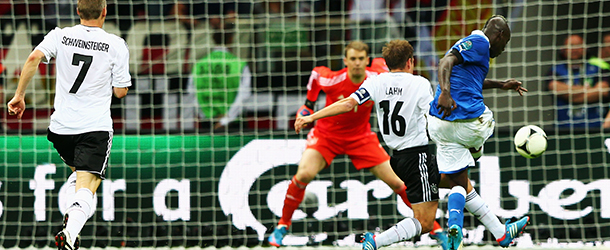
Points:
(401, 102)
(349, 133)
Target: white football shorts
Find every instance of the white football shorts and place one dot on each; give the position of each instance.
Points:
(455, 138)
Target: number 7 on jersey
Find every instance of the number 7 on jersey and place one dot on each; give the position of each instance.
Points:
(76, 59)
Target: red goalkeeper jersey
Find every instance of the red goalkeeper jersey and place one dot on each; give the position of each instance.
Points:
(337, 85)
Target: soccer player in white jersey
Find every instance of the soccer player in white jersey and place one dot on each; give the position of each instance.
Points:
(91, 65)
(401, 102)
(460, 123)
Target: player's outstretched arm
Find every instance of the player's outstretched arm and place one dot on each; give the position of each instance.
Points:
(505, 85)
(16, 106)
(342, 106)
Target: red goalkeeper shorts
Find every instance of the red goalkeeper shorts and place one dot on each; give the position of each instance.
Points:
(364, 150)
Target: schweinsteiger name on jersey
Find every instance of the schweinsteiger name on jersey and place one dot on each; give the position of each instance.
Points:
(90, 45)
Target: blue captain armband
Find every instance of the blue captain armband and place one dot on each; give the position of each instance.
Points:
(361, 95)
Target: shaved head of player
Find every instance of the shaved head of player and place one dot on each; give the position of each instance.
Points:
(459, 123)
(498, 32)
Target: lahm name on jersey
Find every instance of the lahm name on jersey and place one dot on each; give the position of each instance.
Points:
(393, 91)
(90, 45)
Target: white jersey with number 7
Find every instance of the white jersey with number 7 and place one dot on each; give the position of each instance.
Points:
(89, 62)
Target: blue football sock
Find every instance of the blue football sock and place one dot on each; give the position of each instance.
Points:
(455, 205)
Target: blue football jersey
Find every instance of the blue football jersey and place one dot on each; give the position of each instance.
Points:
(467, 78)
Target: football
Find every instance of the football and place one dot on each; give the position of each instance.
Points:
(530, 141)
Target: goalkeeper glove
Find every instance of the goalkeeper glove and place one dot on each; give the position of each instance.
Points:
(304, 111)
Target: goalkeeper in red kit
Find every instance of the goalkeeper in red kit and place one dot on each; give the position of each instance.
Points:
(348, 134)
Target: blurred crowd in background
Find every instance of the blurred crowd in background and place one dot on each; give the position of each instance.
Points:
(280, 42)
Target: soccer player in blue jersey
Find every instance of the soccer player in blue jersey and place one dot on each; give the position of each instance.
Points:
(460, 123)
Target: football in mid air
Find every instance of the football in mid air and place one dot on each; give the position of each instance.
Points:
(530, 141)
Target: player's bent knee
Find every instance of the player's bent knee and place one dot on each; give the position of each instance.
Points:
(425, 213)
(305, 177)
(427, 223)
